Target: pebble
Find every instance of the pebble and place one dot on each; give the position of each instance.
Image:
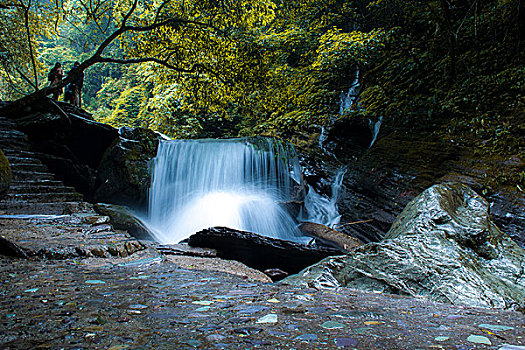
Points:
(332, 325)
(495, 327)
(345, 342)
(247, 330)
(479, 339)
(270, 318)
(307, 337)
(193, 342)
(215, 337)
(95, 282)
(441, 338)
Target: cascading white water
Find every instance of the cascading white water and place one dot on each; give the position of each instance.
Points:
(238, 183)
(323, 210)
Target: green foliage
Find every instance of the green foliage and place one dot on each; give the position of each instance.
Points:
(226, 68)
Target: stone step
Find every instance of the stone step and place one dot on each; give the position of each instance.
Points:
(43, 197)
(11, 134)
(25, 166)
(36, 183)
(13, 144)
(59, 208)
(16, 159)
(7, 123)
(15, 152)
(43, 188)
(22, 175)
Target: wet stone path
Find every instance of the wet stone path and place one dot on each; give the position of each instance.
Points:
(153, 304)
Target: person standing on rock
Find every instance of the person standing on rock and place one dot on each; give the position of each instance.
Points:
(75, 87)
(55, 76)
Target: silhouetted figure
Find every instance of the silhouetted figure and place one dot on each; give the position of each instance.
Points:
(74, 89)
(55, 76)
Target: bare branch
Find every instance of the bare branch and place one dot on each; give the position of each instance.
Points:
(10, 6)
(26, 78)
(157, 14)
(30, 43)
(164, 63)
(130, 12)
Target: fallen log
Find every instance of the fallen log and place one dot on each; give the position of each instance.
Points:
(261, 252)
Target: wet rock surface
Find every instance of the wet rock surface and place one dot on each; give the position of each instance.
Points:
(443, 246)
(153, 303)
(66, 236)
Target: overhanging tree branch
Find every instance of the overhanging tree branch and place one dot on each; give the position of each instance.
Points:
(98, 57)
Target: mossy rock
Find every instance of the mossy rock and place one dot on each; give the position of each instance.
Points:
(5, 175)
(124, 174)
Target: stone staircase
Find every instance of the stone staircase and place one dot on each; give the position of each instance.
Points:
(41, 217)
(34, 189)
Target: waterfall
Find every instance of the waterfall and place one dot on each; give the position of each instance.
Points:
(347, 100)
(375, 130)
(323, 210)
(237, 183)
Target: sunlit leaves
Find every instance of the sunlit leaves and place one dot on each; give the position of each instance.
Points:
(23, 22)
(337, 48)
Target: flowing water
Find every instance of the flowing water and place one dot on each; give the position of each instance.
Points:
(322, 210)
(375, 130)
(238, 183)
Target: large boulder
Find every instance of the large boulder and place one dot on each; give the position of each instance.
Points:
(124, 174)
(5, 175)
(443, 246)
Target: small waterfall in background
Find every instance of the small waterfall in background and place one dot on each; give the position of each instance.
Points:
(346, 101)
(322, 210)
(237, 183)
(319, 209)
(375, 130)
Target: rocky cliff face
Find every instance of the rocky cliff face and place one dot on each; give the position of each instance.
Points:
(383, 179)
(443, 246)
